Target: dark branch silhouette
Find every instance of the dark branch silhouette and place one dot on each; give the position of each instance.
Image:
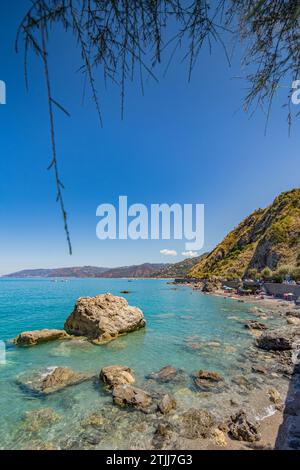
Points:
(115, 35)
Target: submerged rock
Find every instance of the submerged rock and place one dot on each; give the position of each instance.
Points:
(256, 310)
(96, 420)
(39, 445)
(162, 435)
(131, 396)
(241, 429)
(167, 404)
(196, 423)
(241, 381)
(103, 318)
(255, 325)
(166, 374)
(205, 380)
(279, 340)
(117, 375)
(258, 369)
(36, 420)
(192, 345)
(51, 380)
(92, 438)
(32, 338)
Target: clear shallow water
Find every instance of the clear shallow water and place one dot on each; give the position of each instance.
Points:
(177, 321)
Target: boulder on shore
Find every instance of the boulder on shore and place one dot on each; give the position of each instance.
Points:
(32, 338)
(241, 429)
(196, 423)
(291, 320)
(103, 318)
(167, 404)
(211, 285)
(275, 398)
(281, 339)
(131, 396)
(117, 375)
(51, 380)
(255, 325)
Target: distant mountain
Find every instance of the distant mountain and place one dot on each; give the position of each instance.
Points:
(268, 238)
(142, 270)
(84, 271)
(180, 269)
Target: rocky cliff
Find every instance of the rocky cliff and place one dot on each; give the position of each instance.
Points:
(268, 238)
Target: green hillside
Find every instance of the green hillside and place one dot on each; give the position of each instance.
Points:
(267, 240)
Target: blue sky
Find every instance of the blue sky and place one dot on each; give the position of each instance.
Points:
(181, 142)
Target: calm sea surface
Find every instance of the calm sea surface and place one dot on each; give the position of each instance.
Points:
(185, 329)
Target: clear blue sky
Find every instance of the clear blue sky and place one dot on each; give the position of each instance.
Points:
(185, 143)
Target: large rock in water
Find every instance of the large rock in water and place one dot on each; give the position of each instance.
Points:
(103, 318)
(51, 380)
(167, 404)
(241, 429)
(281, 339)
(166, 374)
(206, 380)
(32, 338)
(117, 375)
(131, 396)
(255, 325)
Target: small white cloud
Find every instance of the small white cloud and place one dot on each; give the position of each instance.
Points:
(190, 254)
(168, 252)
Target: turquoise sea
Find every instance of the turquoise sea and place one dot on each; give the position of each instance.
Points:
(185, 329)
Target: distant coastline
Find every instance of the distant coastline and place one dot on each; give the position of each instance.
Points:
(144, 270)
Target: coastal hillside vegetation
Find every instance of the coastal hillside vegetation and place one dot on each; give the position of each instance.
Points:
(265, 244)
(180, 269)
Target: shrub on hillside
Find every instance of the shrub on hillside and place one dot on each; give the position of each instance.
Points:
(266, 273)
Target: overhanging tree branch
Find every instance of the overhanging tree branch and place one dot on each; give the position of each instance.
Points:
(114, 35)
